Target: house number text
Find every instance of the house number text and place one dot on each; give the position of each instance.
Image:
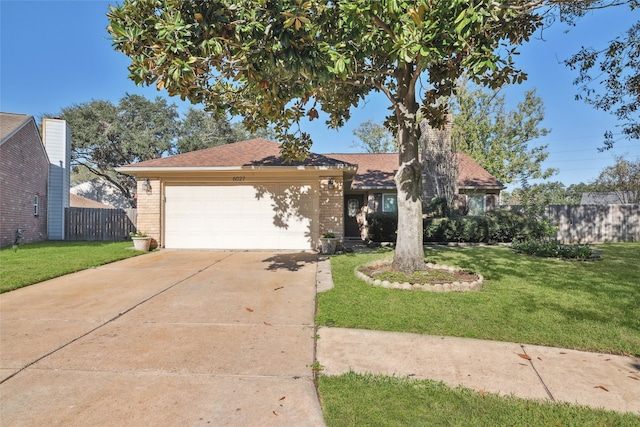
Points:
(238, 178)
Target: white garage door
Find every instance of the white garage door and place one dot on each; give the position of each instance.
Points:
(273, 216)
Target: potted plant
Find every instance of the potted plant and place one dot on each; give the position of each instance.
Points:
(328, 242)
(141, 241)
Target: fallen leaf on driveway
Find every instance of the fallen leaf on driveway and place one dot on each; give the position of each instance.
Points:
(283, 397)
(524, 356)
(562, 352)
(249, 310)
(634, 378)
(267, 323)
(602, 387)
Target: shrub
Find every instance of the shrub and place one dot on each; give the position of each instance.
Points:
(552, 249)
(382, 226)
(495, 226)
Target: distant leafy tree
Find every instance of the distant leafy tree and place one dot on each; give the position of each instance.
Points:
(106, 136)
(623, 179)
(609, 79)
(573, 193)
(546, 193)
(199, 130)
(374, 138)
(243, 134)
(499, 139)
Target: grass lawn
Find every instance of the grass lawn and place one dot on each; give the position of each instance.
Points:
(365, 400)
(35, 262)
(591, 306)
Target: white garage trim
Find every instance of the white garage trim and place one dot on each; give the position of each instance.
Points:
(269, 216)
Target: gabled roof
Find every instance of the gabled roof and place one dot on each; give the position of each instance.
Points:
(376, 171)
(254, 152)
(11, 123)
(471, 174)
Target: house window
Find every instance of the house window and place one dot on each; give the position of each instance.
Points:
(36, 205)
(389, 203)
(477, 204)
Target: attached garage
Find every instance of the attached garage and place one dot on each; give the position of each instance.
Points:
(273, 216)
(240, 196)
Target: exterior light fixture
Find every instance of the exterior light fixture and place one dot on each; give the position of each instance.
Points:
(146, 186)
(331, 184)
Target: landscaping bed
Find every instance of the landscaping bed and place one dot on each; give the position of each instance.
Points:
(434, 278)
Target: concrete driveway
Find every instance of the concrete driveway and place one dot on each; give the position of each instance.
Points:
(169, 338)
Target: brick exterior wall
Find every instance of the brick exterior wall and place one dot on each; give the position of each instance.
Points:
(331, 206)
(24, 171)
(149, 209)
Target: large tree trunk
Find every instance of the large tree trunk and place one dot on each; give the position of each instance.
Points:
(409, 254)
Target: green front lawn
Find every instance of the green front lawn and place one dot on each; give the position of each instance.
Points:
(365, 400)
(592, 305)
(35, 262)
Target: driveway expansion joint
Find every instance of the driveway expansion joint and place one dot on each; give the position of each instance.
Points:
(546, 389)
(113, 319)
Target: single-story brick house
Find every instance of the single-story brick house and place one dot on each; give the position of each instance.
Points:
(244, 196)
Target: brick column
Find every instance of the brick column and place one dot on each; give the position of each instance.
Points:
(149, 209)
(331, 206)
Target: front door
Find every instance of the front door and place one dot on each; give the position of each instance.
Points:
(352, 207)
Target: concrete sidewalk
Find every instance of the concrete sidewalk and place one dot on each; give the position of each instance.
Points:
(165, 339)
(527, 371)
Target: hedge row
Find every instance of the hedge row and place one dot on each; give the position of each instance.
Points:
(495, 226)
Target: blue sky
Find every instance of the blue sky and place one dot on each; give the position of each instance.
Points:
(54, 54)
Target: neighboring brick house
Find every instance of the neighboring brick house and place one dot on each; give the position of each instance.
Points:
(245, 196)
(24, 174)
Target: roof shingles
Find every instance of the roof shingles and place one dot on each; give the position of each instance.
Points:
(378, 170)
(254, 152)
(375, 170)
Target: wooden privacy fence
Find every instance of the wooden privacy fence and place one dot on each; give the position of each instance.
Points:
(99, 224)
(595, 223)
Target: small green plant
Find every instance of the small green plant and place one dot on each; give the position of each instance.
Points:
(138, 234)
(328, 235)
(316, 366)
